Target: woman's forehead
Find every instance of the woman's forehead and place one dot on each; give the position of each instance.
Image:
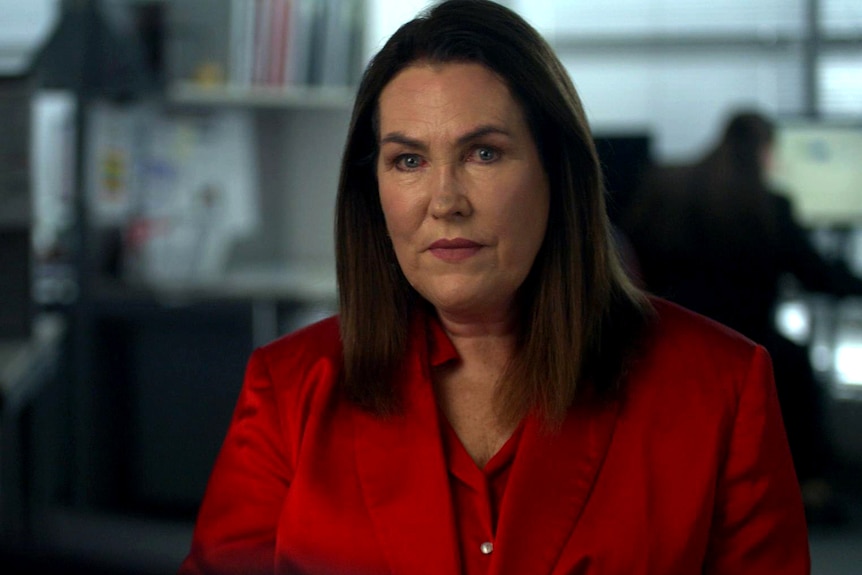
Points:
(450, 93)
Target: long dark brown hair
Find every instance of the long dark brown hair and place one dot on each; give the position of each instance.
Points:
(579, 313)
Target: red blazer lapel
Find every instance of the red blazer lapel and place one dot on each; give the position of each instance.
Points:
(404, 477)
(551, 479)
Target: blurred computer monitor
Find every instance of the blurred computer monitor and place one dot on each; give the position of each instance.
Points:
(818, 164)
(624, 158)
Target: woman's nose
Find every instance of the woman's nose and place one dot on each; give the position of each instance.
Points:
(448, 195)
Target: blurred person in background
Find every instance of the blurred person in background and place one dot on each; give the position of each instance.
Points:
(714, 237)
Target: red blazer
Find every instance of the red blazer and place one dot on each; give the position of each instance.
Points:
(687, 472)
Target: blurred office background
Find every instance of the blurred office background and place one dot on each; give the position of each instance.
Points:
(167, 181)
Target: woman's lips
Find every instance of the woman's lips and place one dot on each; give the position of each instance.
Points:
(454, 250)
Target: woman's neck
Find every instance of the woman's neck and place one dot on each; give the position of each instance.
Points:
(480, 326)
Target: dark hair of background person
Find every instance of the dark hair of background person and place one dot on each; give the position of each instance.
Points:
(580, 313)
(732, 186)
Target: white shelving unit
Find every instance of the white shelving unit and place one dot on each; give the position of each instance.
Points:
(295, 98)
(157, 365)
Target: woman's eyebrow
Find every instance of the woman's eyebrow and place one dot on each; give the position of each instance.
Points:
(478, 132)
(482, 131)
(404, 140)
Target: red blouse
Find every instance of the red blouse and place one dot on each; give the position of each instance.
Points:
(476, 493)
(476, 496)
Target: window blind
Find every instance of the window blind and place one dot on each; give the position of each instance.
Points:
(651, 17)
(841, 16)
(839, 83)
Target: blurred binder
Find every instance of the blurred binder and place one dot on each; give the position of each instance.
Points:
(242, 22)
(302, 15)
(292, 42)
(342, 21)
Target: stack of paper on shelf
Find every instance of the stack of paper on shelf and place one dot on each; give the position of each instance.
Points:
(283, 43)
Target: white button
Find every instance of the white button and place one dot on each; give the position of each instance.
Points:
(486, 548)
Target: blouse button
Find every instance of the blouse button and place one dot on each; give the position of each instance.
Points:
(486, 548)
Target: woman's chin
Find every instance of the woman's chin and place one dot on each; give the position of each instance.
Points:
(473, 309)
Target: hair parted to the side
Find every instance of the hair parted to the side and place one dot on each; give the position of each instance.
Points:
(580, 316)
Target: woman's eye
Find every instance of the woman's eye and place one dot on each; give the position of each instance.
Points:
(408, 162)
(486, 155)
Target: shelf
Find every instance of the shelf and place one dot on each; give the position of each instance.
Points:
(24, 361)
(675, 40)
(305, 97)
(310, 284)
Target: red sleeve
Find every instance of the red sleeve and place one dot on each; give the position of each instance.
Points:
(759, 522)
(236, 525)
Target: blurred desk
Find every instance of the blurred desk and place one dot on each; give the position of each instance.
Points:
(841, 357)
(310, 283)
(26, 366)
(284, 295)
(831, 328)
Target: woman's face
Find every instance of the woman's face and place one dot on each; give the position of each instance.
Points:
(462, 187)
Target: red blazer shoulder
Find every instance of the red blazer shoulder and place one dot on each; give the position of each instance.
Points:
(288, 384)
(684, 329)
(303, 349)
(685, 347)
(302, 368)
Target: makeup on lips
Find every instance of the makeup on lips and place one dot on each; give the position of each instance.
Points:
(454, 250)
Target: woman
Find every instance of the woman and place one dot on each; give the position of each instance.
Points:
(494, 397)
